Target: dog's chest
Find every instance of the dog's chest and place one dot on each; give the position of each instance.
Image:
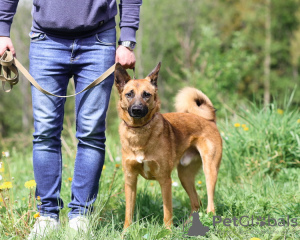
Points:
(146, 167)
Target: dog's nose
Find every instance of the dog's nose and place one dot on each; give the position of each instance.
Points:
(137, 110)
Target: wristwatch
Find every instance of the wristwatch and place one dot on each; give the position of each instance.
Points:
(128, 44)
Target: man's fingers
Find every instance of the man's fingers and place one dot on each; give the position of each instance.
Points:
(12, 49)
(6, 44)
(2, 51)
(125, 57)
(126, 64)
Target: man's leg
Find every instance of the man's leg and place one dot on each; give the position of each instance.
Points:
(49, 66)
(92, 57)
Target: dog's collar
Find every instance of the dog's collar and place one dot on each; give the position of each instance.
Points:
(142, 125)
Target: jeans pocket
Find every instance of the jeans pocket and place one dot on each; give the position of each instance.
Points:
(107, 38)
(35, 36)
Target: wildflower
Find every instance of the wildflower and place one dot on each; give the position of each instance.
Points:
(1, 177)
(298, 121)
(237, 125)
(1, 200)
(23, 199)
(244, 125)
(175, 184)
(117, 165)
(70, 179)
(1, 167)
(199, 182)
(38, 198)
(6, 185)
(5, 154)
(255, 238)
(279, 111)
(104, 167)
(151, 184)
(36, 215)
(246, 129)
(118, 159)
(30, 184)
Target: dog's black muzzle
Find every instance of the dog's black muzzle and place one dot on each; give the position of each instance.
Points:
(138, 111)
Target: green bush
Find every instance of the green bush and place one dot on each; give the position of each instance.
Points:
(262, 140)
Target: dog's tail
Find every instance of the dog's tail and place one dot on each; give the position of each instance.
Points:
(192, 100)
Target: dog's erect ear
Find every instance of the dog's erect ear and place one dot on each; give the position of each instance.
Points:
(154, 75)
(121, 77)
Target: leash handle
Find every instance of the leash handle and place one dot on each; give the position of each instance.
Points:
(10, 64)
(8, 72)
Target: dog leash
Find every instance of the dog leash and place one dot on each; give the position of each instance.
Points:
(133, 69)
(9, 67)
(8, 71)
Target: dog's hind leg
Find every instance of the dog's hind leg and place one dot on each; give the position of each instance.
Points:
(187, 169)
(211, 154)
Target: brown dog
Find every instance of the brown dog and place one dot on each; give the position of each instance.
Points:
(153, 144)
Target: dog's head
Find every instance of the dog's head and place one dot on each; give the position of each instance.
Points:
(138, 97)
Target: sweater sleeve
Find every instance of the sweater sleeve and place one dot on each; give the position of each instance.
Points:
(129, 19)
(7, 11)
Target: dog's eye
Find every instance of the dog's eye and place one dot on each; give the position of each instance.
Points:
(130, 94)
(146, 95)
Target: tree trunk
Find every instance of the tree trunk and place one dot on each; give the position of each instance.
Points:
(295, 72)
(267, 62)
(26, 104)
(139, 52)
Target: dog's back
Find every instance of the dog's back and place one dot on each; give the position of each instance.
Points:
(192, 100)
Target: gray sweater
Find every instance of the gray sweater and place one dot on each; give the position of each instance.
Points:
(75, 18)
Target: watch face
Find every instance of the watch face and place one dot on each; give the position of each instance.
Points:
(132, 45)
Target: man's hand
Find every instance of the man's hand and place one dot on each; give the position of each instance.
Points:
(125, 57)
(6, 43)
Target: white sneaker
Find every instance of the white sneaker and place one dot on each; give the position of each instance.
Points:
(79, 224)
(42, 227)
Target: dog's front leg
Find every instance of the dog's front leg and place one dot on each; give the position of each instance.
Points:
(166, 190)
(130, 196)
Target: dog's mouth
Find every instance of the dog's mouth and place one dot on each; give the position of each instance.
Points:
(138, 111)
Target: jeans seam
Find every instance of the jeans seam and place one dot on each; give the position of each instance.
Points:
(59, 200)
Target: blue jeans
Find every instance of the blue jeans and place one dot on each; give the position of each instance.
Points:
(53, 61)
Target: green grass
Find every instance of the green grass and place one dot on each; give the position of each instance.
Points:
(259, 176)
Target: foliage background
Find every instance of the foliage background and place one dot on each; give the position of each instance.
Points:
(245, 56)
(218, 46)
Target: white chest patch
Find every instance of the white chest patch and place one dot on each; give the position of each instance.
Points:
(140, 158)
